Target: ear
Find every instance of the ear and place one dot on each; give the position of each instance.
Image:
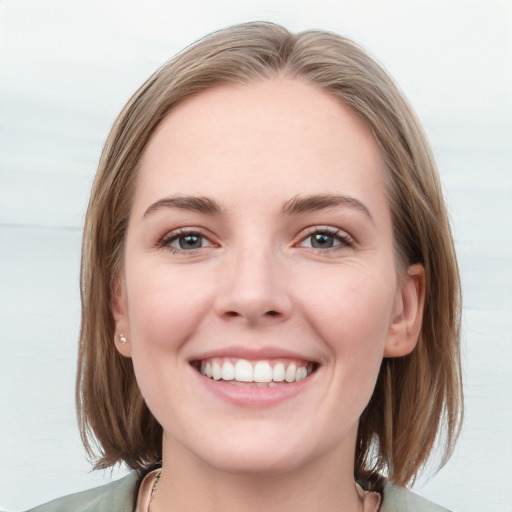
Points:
(119, 311)
(407, 316)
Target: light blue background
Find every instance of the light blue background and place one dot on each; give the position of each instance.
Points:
(67, 68)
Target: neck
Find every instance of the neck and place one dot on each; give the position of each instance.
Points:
(188, 483)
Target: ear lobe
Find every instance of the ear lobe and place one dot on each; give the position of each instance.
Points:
(119, 312)
(408, 315)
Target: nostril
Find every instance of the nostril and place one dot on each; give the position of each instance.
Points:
(271, 313)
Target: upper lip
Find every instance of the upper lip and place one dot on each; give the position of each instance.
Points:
(252, 354)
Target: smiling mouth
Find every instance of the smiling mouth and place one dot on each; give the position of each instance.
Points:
(263, 373)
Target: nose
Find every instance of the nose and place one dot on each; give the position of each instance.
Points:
(253, 288)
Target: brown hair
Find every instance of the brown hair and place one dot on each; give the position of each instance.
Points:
(416, 396)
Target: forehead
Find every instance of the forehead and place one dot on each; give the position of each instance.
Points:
(269, 135)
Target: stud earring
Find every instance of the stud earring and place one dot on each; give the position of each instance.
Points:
(122, 338)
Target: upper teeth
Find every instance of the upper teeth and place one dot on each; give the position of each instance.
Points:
(242, 370)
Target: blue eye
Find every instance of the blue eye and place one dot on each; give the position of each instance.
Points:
(325, 239)
(183, 241)
(187, 242)
(322, 241)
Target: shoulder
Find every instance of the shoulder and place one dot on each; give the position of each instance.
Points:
(119, 495)
(400, 499)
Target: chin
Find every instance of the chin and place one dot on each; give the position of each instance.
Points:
(254, 462)
(258, 448)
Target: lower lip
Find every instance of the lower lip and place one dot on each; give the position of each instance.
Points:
(248, 396)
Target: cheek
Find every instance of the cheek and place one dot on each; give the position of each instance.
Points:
(164, 306)
(351, 310)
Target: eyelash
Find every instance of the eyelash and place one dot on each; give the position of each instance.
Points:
(341, 236)
(167, 240)
(344, 239)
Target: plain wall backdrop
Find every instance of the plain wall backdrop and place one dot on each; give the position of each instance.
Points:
(67, 68)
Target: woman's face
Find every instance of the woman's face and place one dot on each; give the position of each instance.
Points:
(259, 248)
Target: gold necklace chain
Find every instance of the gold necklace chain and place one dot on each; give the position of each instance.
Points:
(156, 479)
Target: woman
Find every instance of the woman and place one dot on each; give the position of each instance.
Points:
(270, 294)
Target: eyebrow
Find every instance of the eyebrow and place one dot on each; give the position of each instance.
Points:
(198, 204)
(296, 205)
(302, 204)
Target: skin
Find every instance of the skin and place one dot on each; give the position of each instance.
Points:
(256, 278)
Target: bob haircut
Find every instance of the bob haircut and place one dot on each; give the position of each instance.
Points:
(417, 397)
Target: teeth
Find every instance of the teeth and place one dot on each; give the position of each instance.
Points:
(244, 371)
(216, 370)
(259, 372)
(289, 376)
(278, 373)
(302, 373)
(262, 372)
(228, 371)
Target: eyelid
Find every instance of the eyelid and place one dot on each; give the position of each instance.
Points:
(171, 236)
(345, 239)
